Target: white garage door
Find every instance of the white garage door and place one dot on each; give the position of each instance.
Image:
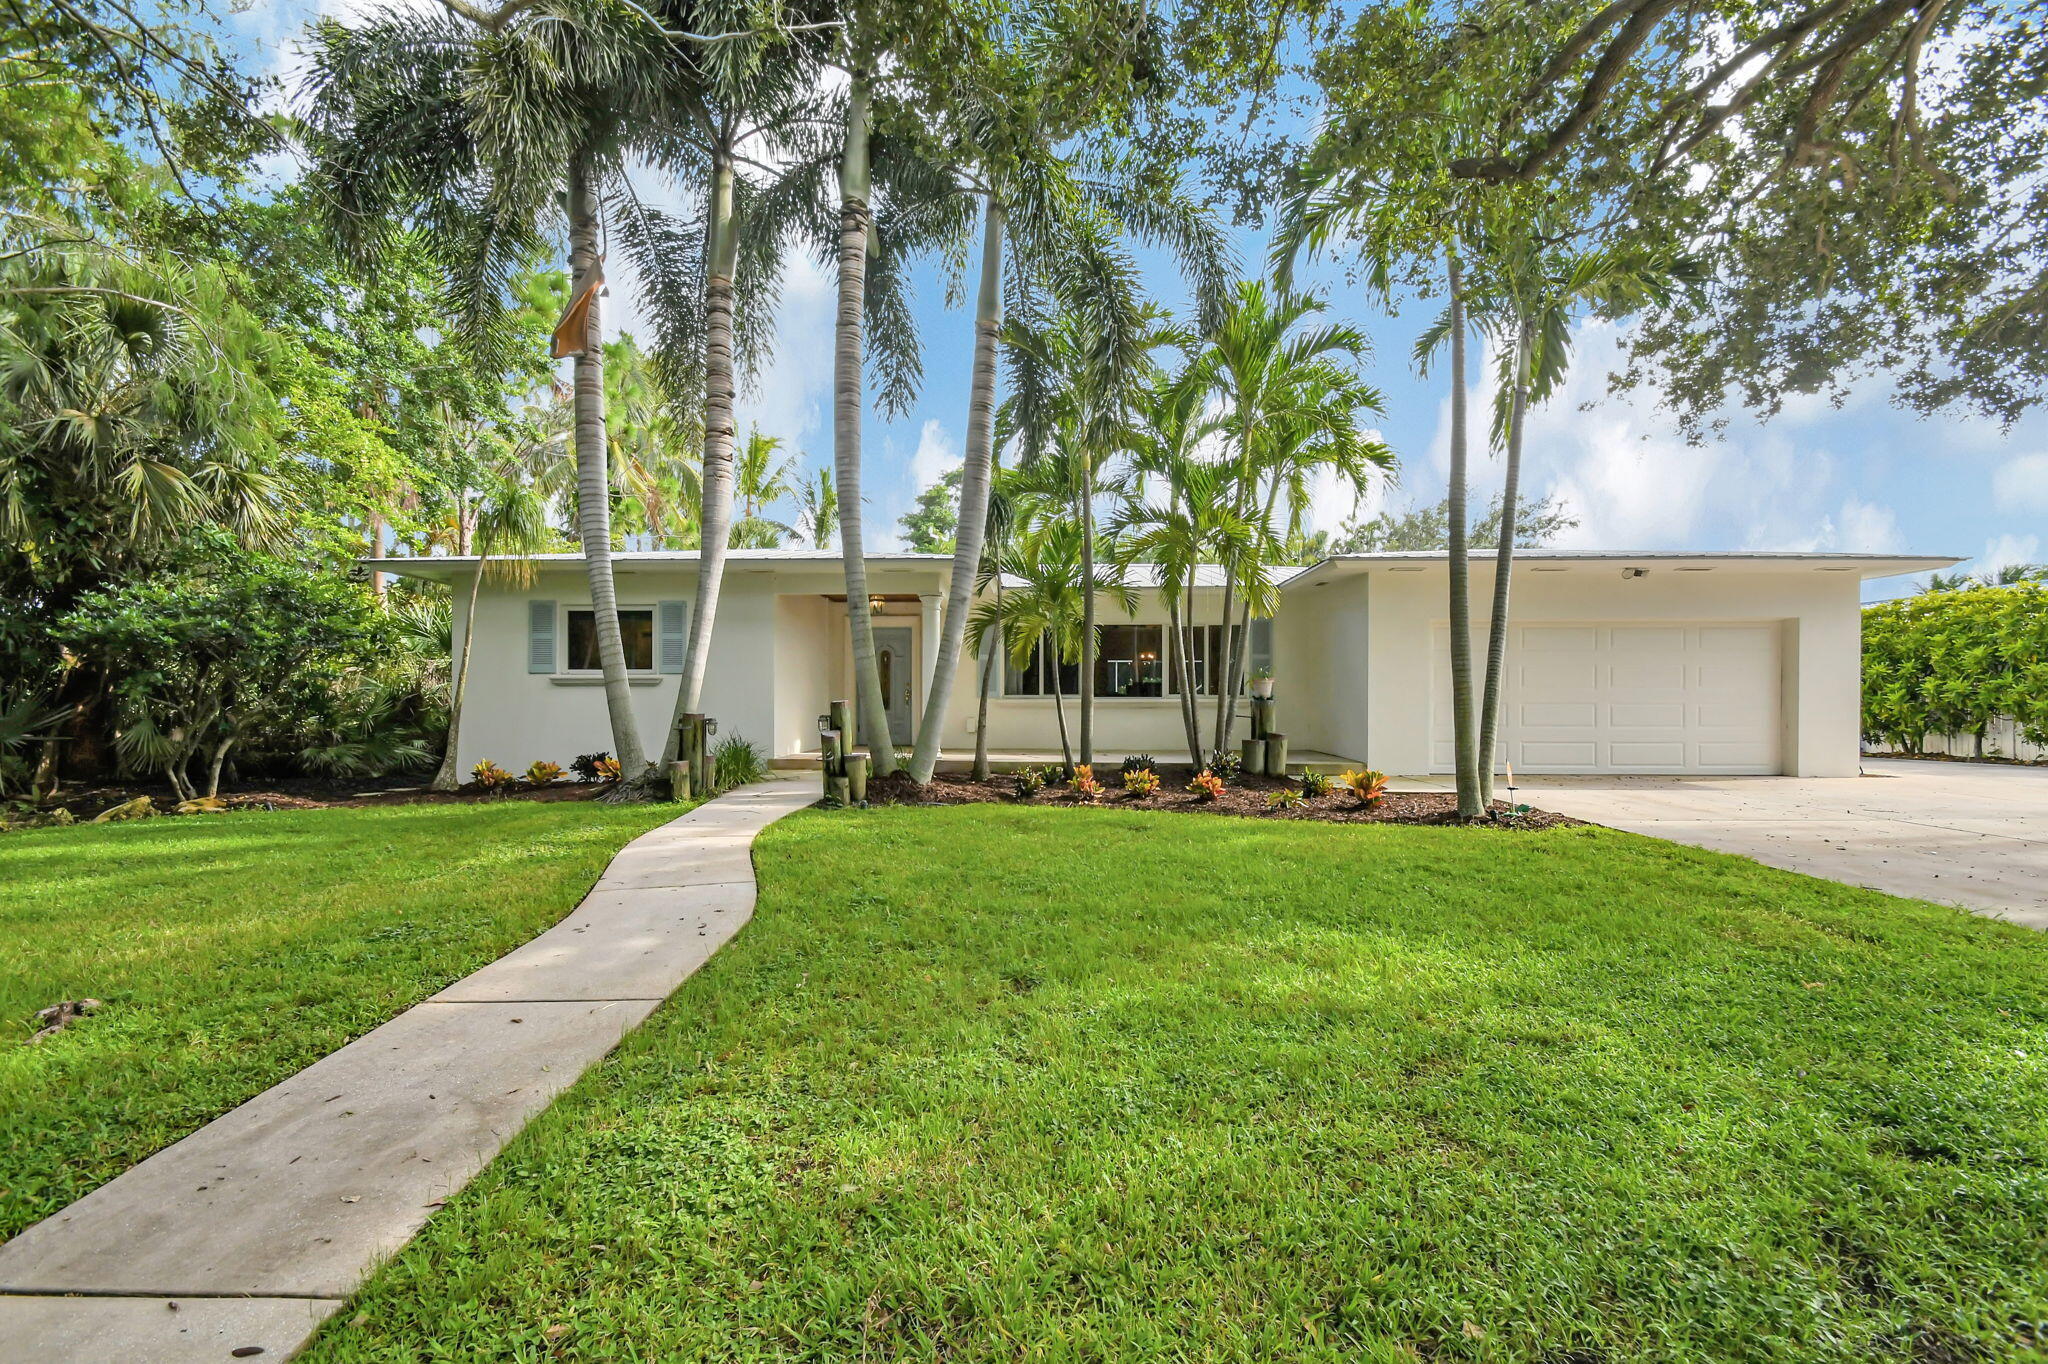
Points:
(1689, 697)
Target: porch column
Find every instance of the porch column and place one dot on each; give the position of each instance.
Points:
(928, 613)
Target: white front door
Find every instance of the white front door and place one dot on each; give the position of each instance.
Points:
(1691, 696)
(896, 662)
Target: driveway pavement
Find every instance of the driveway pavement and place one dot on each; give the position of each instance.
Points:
(1967, 834)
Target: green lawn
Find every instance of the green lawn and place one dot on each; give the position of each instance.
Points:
(990, 1083)
(232, 950)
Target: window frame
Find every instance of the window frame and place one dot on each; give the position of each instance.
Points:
(1167, 669)
(653, 613)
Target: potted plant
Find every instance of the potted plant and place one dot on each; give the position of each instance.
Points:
(1262, 684)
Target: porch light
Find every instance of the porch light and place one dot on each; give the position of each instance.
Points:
(710, 726)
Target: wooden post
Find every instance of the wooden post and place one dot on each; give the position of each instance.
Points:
(1276, 755)
(842, 721)
(679, 780)
(1262, 716)
(691, 750)
(828, 758)
(1252, 756)
(856, 777)
(836, 790)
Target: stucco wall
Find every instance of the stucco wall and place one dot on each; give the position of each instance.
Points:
(1352, 658)
(1816, 610)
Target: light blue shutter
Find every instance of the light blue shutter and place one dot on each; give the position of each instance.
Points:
(1261, 647)
(672, 630)
(540, 637)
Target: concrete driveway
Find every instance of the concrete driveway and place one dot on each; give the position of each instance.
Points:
(1974, 835)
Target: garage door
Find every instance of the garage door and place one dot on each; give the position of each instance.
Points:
(1694, 697)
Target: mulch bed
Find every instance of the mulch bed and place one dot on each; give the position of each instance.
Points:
(317, 793)
(1247, 798)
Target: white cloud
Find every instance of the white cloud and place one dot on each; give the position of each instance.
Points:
(2021, 483)
(1620, 466)
(2007, 549)
(935, 457)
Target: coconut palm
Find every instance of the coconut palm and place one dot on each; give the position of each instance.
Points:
(492, 136)
(817, 504)
(1051, 213)
(759, 479)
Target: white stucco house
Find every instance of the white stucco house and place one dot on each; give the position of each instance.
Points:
(1652, 663)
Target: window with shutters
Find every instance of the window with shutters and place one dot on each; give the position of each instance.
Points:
(636, 633)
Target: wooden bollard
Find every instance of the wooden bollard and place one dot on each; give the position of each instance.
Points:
(1252, 757)
(836, 790)
(857, 778)
(842, 724)
(1276, 755)
(679, 780)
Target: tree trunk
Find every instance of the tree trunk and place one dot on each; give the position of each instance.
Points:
(974, 487)
(1177, 667)
(1059, 709)
(989, 660)
(220, 757)
(1503, 567)
(447, 777)
(593, 486)
(1087, 607)
(715, 517)
(378, 587)
(873, 717)
(1467, 740)
(1220, 741)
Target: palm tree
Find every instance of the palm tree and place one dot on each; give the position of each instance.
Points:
(817, 507)
(753, 94)
(1048, 605)
(1278, 378)
(510, 516)
(471, 131)
(758, 480)
(1533, 292)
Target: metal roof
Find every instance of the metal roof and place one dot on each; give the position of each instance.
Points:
(1866, 565)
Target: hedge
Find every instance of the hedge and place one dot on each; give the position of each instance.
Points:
(1953, 662)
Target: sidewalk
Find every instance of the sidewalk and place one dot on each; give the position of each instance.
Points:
(249, 1233)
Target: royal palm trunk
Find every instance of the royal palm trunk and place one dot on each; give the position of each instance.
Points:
(1503, 567)
(1466, 740)
(974, 487)
(854, 219)
(715, 518)
(593, 487)
(446, 777)
(1087, 608)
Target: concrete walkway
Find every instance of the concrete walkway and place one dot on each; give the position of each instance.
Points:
(1968, 834)
(241, 1239)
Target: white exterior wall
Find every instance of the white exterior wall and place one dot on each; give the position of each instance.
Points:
(1354, 656)
(1817, 611)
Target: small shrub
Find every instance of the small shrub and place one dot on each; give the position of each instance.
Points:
(544, 773)
(586, 767)
(1141, 783)
(1139, 762)
(1083, 784)
(1229, 768)
(607, 769)
(490, 776)
(1207, 786)
(737, 761)
(1369, 786)
(1286, 798)
(1030, 781)
(1314, 784)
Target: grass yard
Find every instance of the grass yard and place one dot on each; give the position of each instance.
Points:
(232, 950)
(987, 1083)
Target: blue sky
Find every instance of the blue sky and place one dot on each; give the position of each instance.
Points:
(1865, 477)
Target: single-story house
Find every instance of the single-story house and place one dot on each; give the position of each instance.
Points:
(1649, 663)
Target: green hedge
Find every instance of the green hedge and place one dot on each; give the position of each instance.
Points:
(1953, 662)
